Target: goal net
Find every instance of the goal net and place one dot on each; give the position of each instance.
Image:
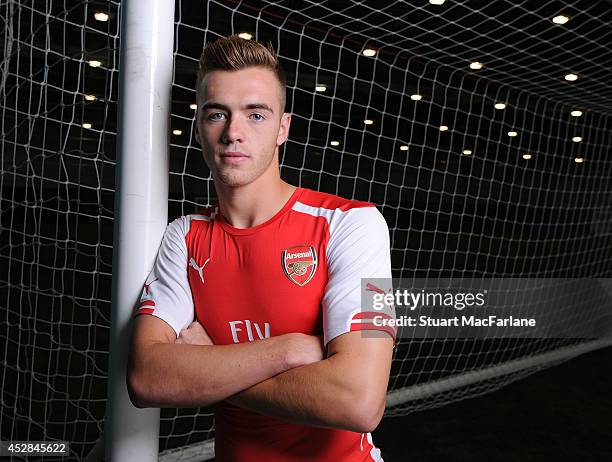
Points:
(463, 125)
(58, 103)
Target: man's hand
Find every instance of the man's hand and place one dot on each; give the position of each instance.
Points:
(194, 334)
(305, 349)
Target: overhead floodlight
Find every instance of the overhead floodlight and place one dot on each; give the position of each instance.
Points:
(436, 2)
(467, 152)
(415, 97)
(403, 147)
(193, 106)
(100, 16)
(500, 106)
(527, 156)
(245, 35)
(576, 113)
(177, 132)
(335, 143)
(369, 52)
(579, 160)
(86, 125)
(90, 97)
(476, 65)
(368, 121)
(561, 19)
(320, 87)
(577, 139)
(512, 133)
(571, 77)
(443, 128)
(94, 63)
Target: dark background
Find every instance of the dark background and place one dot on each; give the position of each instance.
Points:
(559, 414)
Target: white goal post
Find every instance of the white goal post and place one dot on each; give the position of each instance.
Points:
(140, 215)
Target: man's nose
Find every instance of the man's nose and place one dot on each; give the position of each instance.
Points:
(234, 131)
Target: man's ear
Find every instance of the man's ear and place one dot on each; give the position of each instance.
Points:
(283, 131)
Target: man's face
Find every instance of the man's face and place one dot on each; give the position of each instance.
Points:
(240, 124)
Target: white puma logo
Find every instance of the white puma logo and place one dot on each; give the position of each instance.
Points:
(199, 269)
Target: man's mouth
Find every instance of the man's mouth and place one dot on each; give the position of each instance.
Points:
(233, 154)
(234, 157)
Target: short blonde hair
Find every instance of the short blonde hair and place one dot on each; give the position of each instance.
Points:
(234, 53)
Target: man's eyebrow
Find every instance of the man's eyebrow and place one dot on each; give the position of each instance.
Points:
(263, 106)
(223, 107)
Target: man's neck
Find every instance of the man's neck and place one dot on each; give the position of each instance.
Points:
(253, 204)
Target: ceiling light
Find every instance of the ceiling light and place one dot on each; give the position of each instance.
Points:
(436, 2)
(335, 143)
(476, 65)
(513, 133)
(193, 106)
(368, 121)
(467, 152)
(90, 97)
(320, 87)
(177, 132)
(245, 35)
(86, 125)
(369, 52)
(404, 147)
(577, 139)
(500, 105)
(415, 97)
(576, 113)
(527, 156)
(561, 19)
(443, 128)
(94, 63)
(571, 77)
(579, 160)
(100, 16)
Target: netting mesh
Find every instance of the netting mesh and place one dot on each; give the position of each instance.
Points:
(57, 187)
(490, 213)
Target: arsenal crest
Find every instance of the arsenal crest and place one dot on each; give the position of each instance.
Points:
(299, 263)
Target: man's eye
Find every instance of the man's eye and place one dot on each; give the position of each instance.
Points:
(257, 116)
(216, 116)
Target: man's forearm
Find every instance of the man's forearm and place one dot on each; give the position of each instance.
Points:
(329, 393)
(170, 375)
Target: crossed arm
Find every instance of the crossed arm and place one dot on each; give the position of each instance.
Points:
(287, 376)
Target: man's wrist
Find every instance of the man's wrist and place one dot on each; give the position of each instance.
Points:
(302, 349)
(290, 351)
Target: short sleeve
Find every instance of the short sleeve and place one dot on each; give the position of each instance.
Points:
(166, 293)
(358, 248)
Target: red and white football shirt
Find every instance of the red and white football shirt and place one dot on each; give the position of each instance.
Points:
(300, 271)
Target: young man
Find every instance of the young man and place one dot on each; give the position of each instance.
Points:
(272, 278)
